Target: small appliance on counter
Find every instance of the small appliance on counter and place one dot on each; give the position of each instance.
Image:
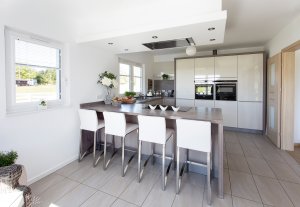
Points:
(149, 93)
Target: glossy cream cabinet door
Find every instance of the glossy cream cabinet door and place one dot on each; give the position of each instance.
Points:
(204, 68)
(185, 102)
(226, 67)
(185, 76)
(250, 115)
(229, 112)
(250, 77)
(205, 103)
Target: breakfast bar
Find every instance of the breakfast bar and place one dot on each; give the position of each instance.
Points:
(213, 115)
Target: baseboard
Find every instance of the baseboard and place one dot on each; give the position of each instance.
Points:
(48, 172)
(252, 131)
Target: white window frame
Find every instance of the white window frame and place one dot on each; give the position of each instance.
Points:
(11, 105)
(131, 76)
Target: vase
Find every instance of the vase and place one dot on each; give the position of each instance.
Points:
(108, 98)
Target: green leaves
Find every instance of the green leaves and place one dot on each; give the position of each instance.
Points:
(130, 93)
(8, 158)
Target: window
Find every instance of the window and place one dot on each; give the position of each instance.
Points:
(131, 77)
(33, 71)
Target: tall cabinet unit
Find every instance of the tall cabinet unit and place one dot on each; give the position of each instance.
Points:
(226, 67)
(185, 87)
(250, 91)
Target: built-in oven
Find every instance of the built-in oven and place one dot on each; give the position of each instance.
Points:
(226, 90)
(204, 89)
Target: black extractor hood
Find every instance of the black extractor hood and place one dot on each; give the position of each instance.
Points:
(170, 44)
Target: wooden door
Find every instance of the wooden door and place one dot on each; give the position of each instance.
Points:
(274, 99)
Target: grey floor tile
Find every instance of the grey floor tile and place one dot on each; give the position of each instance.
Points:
(218, 202)
(99, 199)
(189, 195)
(157, 197)
(136, 193)
(284, 172)
(237, 163)
(117, 184)
(76, 197)
(234, 148)
(57, 191)
(122, 203)
(85, 172)
(46, 182)
(74, 166)
(243, 186)
(230, 137)
(260, 167)
(251, 152)
(271, 192)
(240, 202)
(293, 191)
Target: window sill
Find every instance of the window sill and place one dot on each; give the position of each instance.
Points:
(36, 111)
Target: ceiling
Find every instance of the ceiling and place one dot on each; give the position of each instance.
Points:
(127, 22)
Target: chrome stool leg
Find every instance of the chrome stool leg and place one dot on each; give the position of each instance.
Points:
(104, 152)
(208, 178)
(163, 167)
(177, 171)
(123, 156)
(81, 155)
(139, 160)
(152, 153)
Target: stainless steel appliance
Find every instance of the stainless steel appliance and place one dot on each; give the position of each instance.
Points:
(226, 90)
(204, 89)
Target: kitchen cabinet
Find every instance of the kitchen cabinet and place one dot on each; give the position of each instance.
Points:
(204, 68)
(250, 77)
(155, 102)
(205, 103)
(250, 115)
(226, 67)
(229, 112)
(185, 102)
(185, 75)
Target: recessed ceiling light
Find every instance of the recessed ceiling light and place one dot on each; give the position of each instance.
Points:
(154, 37)
(212, 40)
(110, 43)
(126, 49)
(211, 29)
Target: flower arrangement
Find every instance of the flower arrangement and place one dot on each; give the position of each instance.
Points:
(108, 79)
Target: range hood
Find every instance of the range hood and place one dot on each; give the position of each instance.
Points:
(170, 44)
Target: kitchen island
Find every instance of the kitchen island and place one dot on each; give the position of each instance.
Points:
(213, 115)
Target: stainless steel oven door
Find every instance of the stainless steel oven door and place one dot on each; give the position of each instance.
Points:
(204, 91)
(226, 91)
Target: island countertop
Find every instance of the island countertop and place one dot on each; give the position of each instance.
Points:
(213, 115)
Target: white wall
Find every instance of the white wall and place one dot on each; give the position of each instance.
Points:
(297, 98)
(47, 140)
(163, 67)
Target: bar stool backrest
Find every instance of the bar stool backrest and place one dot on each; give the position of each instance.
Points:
(152, 129)
(88, 120)
(115, 123)
(194, 135)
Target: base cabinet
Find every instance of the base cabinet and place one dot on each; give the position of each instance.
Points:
(169, 101)
(185, 102)
(205, 103)
(229, 112)
(250, 115)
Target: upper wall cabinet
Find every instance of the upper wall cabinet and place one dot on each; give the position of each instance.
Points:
(250, 77)
(185, 75)
(226, 67)
(204, 68)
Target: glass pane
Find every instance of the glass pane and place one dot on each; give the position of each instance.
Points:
(27, 53)
(272, 117)
(273, 75)
(34, 84)
(137, 84)
(137, 71)
(124, 69)
(124, 84)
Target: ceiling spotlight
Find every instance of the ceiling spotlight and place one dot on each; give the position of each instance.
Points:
(212, 40)
(110, 43)
(154, 37)
(126, 50)
(211, 29)
(191, 50)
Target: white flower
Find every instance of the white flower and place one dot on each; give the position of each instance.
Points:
(106, 81)
(115, 83)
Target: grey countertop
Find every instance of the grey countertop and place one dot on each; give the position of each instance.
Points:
(213, 115)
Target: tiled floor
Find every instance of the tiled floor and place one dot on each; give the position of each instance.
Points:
(256, 174)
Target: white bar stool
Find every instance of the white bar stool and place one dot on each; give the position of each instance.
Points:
(115, 124)
(153, 129)
(194, 135)
(89, 121)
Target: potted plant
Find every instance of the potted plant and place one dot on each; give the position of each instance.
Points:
(8, 158)
(42, 105)
(130, 94)
(165, 76)
(109, 80)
